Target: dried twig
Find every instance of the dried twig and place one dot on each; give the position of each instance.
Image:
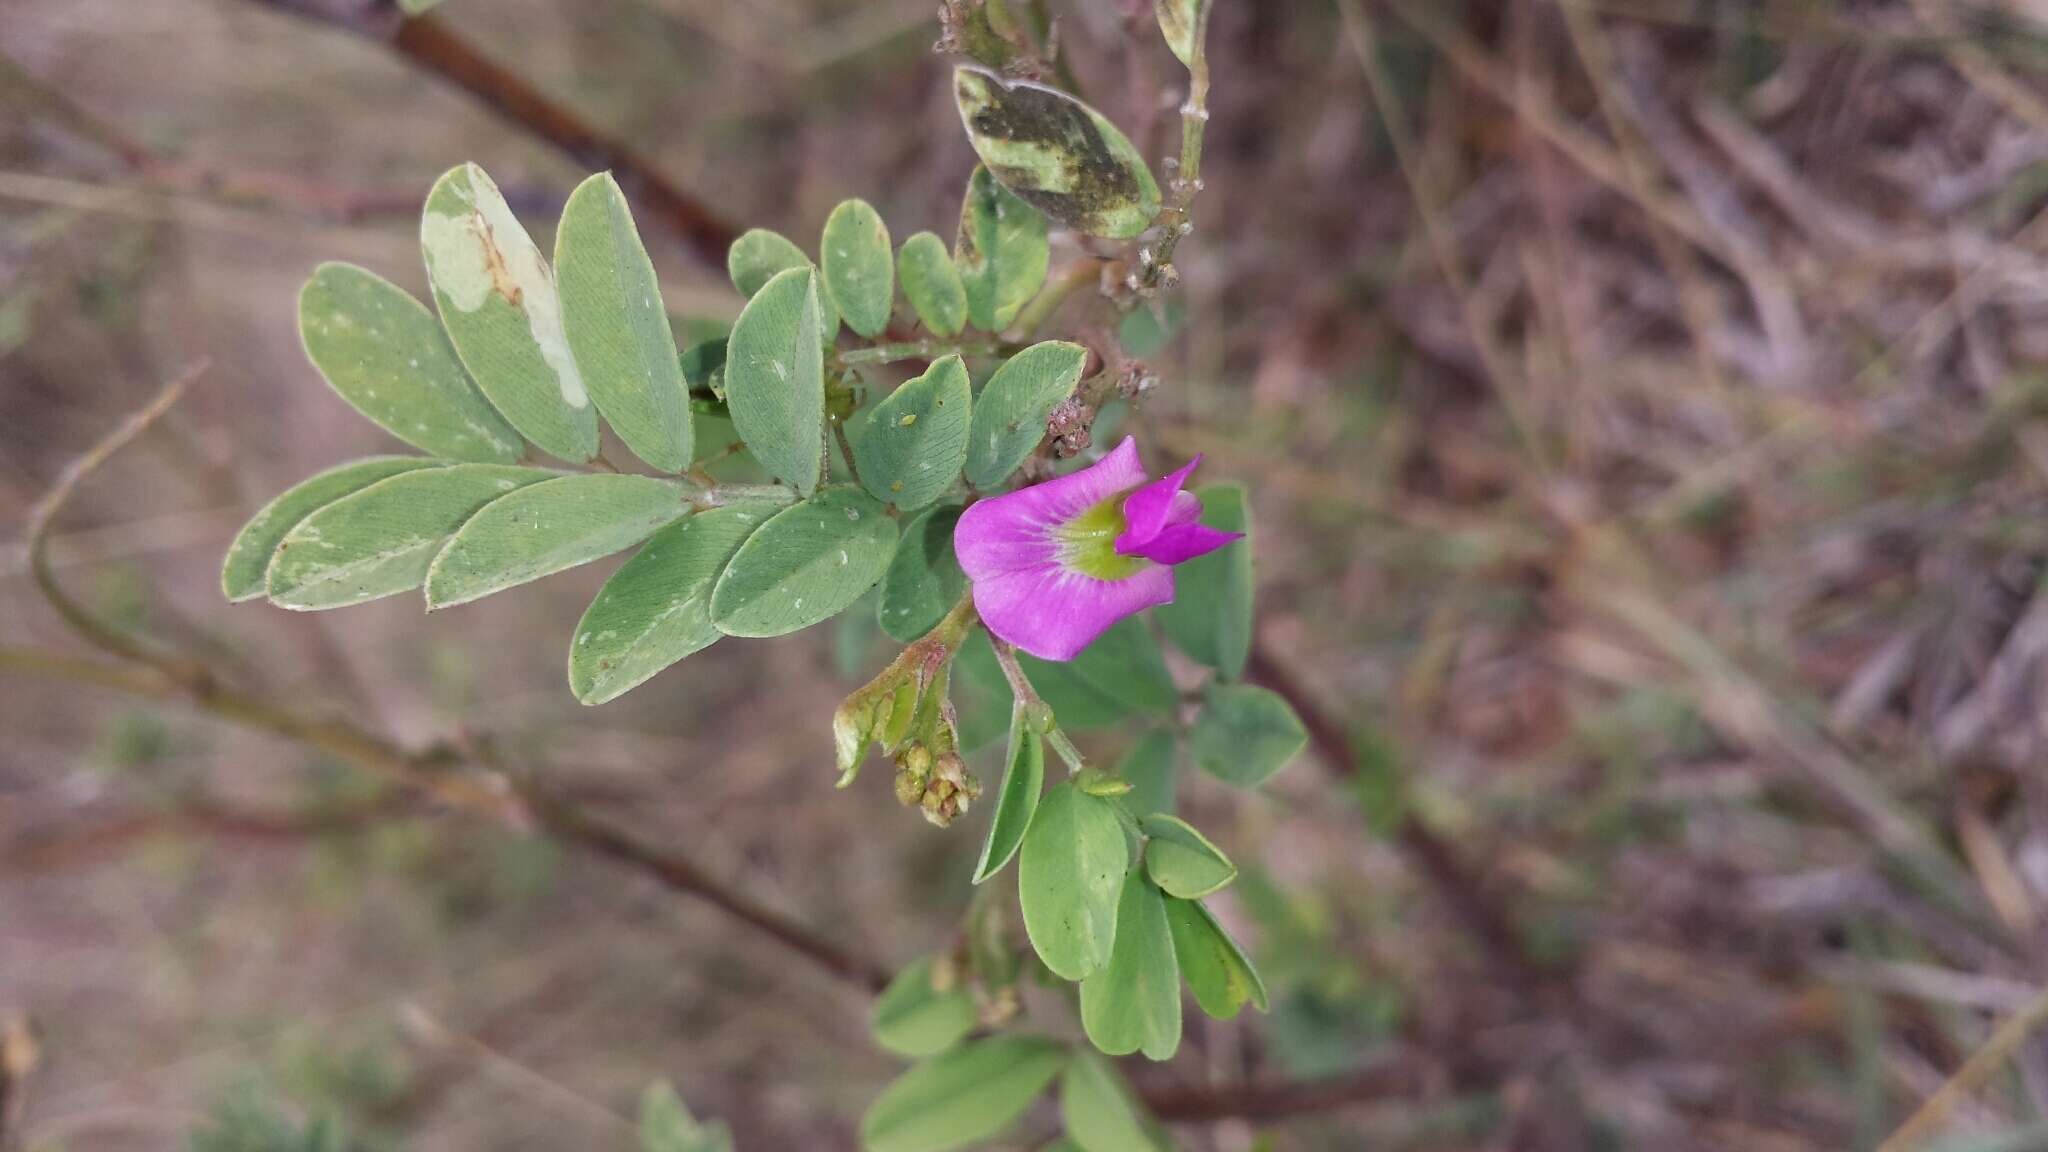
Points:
(430, 46)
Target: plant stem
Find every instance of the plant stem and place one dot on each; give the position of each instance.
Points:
(1175, 220)
(81, 620)
(1054, 294)
(1027, 697)
(431, 47)
(845, 449)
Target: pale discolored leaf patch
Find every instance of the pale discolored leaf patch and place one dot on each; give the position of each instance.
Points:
(1059, 154)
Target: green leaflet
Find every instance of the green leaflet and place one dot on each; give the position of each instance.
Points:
(806, 564)
(617, 326)
(248, 558)
(1069, 873)
(1133, 1004)
(758, 255)
(667, 1126)
(383, 352)
(924, 580)
(1181, 860)
(775, 378)
(1217, 970)
(1149, 769)
(1059, 154)
(1210, 618)
(382, 539)
(859, 274)
(964, 1097)
(1183, 23)
(499, 304)
(548, 527)
(915, 442)
(932, 284)
(656, 609)
(913, 1018)
(1009, 416)
(1098, 1110)
(1125, 664)
(1245, 733)
(1001, 252)
(1017, 803)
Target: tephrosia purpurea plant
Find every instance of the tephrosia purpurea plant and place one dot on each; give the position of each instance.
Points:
(1019, 569)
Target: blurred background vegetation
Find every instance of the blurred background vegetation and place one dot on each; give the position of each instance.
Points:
(1645, 408)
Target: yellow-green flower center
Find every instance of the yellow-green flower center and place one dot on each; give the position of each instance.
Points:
(1088, 542)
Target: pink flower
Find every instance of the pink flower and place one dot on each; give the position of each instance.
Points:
(1056, 564)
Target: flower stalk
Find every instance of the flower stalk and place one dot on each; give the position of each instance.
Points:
(1175, 219)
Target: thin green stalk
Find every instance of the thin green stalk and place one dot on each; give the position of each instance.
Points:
(1027, 698)
(1175, 220)
(1054, 294)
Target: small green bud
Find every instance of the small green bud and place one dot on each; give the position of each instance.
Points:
(917, 760)
(1096, 782)
(909, 789)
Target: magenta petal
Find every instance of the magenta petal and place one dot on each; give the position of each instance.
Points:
(1150, 508)
(1054, 613)
(1014, 532)
(1180, 542)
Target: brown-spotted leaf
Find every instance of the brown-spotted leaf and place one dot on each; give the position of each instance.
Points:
(1058, 154)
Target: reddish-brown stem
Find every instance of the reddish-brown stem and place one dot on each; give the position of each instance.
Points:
(430, 46)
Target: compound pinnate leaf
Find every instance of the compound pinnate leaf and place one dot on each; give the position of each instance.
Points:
(382, 539)
(1097, 1108)
(1017, 803)
(915, 442)
(775, 378)
(549, 527)
(913, 1017)
(1069, 874)
(932, 284)
(859, 273)
(242, 574)
(1133, 1004)
(1009, 417)
(808, 563)
(1210, 618)
(1182, 23)
(1217, 970)
(759, 255)
(656, 609)
(962, 1098)
(1181, 860)
(1245, 733)
(924, 580)
(383, 352)
(617, 326)
(1000, 251)
(500, 306)
(1059, 154)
